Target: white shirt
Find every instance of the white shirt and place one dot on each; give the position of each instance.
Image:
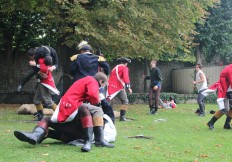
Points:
(202, 85)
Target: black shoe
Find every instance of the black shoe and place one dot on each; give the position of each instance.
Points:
(99, 138)
(210, 125)
(197, 111)
(38, 117)
(212, 112)
(227, 126)
(201, 114)
(152, 112)
(123, 118)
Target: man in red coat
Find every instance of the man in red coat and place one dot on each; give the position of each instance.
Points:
(67, 111)
(42, 92)
(46, 75)
(118, 81)
(225, 81)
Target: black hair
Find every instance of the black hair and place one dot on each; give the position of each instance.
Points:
(31, 52)
(199, 65)
(48, 60)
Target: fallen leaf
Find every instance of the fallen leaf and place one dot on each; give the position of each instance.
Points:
(187, 151)
(197, 128)
(157, 148)
(46, 145)
(196, 160)
(137, 147)
(218, 145)
(6, 131)
(204, 156)
(45, 154)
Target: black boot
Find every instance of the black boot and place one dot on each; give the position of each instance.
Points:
(53, 134)
(39, 115)
(211, 123)
(107, 109)
(99, 137)
(201, 110)
(88, 135)
(227, 123)
(153, 111)
(197, 111)
(122, 115)
(34, 137)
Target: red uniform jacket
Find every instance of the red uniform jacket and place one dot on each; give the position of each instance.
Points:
(225, 81)
(119, 76)
(47, 79)
(85, 89)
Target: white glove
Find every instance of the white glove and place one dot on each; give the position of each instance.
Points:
(19, 88)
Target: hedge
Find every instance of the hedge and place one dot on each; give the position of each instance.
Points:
(142, 98)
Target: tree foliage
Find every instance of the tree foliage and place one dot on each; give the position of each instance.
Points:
(215, 36)
(138, 29)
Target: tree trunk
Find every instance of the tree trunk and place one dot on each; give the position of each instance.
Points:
(65, 54)
(146, 66)
(199, 54)
(10, 75)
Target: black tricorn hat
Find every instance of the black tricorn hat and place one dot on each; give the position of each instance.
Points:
(124, 60)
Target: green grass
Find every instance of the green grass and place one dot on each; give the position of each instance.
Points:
(182, 137)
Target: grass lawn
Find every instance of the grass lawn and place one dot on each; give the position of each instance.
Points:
(183, 136)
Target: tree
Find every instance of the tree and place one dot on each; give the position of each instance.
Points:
(133, 28)
(137, 29)
(215, 36)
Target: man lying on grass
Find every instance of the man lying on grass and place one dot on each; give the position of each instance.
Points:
(74, 119)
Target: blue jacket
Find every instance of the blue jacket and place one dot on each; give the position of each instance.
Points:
(87, 64)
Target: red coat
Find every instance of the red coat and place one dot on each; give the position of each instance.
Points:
(47, 79)
(225, 80)
(85, 89)
(117, 82)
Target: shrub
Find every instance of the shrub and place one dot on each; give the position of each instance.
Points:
(142, 98)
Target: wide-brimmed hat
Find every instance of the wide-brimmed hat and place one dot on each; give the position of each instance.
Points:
(124, 60)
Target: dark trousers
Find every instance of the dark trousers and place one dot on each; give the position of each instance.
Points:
(200, 101)
(71, 130)
(156, 94)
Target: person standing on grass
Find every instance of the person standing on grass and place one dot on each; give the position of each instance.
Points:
(155, 87)
(218, 114)
(35, 54)
(118, 81)
(222, 86)
(227, 110)
(72, 110)
(201, 85)
(88, 64)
